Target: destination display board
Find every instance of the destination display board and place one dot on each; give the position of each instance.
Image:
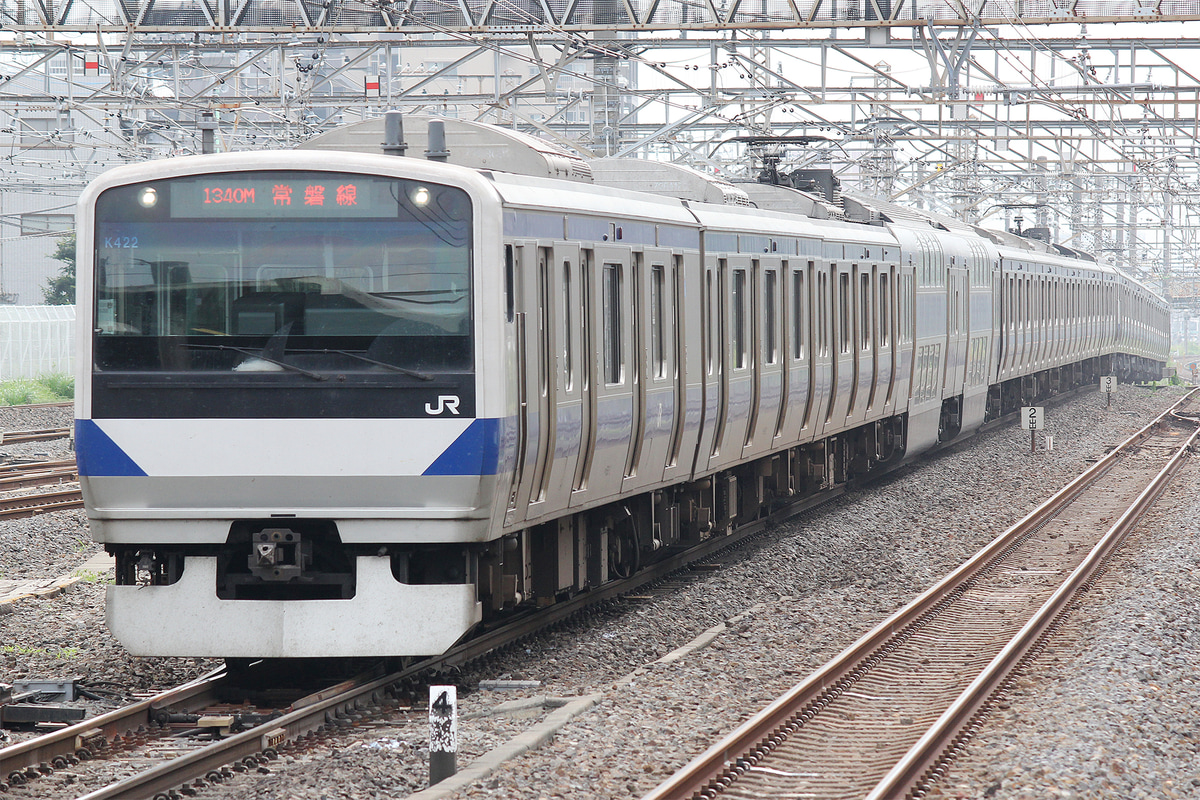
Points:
(282, 195)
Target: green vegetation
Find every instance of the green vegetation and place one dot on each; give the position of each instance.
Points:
(60, 653)
(93, 576)
(45, 389)
(60, 290)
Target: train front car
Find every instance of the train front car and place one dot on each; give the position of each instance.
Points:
(281, 432)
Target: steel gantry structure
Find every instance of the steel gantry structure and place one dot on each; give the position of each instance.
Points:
(1008, 114)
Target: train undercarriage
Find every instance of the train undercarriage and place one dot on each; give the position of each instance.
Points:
(568, 555)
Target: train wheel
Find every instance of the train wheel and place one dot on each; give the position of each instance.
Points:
(624, 555)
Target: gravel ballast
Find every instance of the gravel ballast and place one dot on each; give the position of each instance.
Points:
(796, 596)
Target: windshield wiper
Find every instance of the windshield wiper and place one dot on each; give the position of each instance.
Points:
(412, 373)
(259, 355)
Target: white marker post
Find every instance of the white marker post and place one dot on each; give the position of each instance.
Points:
(1108, 385)
(1033, 419)
(443, 732)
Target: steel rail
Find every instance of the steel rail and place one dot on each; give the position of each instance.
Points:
(41, 476)
(14, 437)
(28, 466)
(485, 642)
(16, 759)
(28, 505)
(325, 707)
(715, 765)
(54, 404)
(919, 765)
(198, 763)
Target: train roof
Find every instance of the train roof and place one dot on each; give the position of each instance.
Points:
(538, 194)
(621, 181)
(476, 145)
(666, 179)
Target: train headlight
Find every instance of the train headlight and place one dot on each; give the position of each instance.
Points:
(148, 197)
(420, 197)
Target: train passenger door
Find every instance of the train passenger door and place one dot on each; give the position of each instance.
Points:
(795, 318)
(842, 356)
(655, 392)
(885, 354)
(685, 319)
(531, 270)
(735, 358)
(769, 380)
(569, 423)
(711, 332)
(609, 357)
(1025, 337)
(862, 342)
(957, 296)
(905, 335)
(821, 307)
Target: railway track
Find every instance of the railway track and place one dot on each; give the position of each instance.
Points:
(37, 435)
(187, 735)
(53, 404)
(145, 741)
(885, 718)
(29, 505)
(37, 473)
(134, 735)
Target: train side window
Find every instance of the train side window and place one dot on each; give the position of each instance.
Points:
(1025, 314)
(885, 324)
(611, 299)
(864, 315)
(739, 318)
(957, 308)
(509, 283)
(568, 365)
(676, 327)
(708, 322)
(1012, 293)
(823, 320)
(843, 301)
(798, 313)
(545, 310)
(770, 345)
(658, 356)
(819, 337)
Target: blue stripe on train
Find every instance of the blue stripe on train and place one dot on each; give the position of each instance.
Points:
(475, 452)
(97, 454)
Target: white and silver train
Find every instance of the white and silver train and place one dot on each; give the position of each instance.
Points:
(337, 402)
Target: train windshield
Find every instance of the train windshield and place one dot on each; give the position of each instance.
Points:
(283, 272)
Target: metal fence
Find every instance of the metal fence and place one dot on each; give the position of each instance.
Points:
(36, 340)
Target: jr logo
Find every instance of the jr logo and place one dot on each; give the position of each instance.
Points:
(445, 402)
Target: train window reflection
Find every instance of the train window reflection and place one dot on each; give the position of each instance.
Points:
(269, 293)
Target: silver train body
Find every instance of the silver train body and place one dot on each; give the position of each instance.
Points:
(338, 403)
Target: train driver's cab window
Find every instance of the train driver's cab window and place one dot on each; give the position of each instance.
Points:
(295, 275)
